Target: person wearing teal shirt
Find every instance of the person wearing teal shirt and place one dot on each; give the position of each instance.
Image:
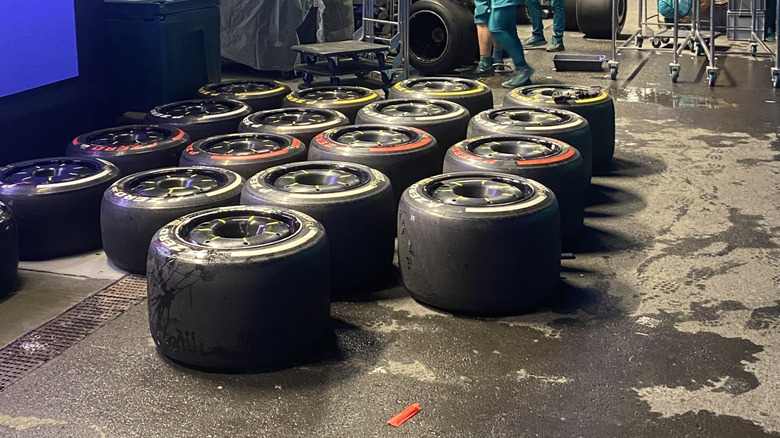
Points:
(502, 24)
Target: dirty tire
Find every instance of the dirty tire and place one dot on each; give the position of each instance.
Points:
(566, 126)
(473, 95)
(301, 123)
(345, 99)
(570, 8)
(441, 34)
(200, 118)
(244, 153)
(56, 204)
(136, 206)
(132, 148)
(445, 121)
(594, 17)
(9, 248)
(242, 288)
(259, 95)
(459, 234)
(355, 205)
(593, 103)
(553, 163)
(404, 154)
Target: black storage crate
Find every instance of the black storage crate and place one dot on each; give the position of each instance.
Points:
(162, 51)
(578, 62)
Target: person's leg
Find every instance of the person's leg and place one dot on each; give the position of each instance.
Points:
(559, 24)
(537, 27)
(481, 17)
(503, 27)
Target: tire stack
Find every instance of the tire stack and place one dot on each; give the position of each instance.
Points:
(473, 95)
(9, 248)
(242, 288)
(354, 203)
(201, 118)
(259, 95)
(301, 123)
(344, 99)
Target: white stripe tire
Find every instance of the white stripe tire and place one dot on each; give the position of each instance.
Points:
(566, 126)
(56, 204)
(473, 95)
(479, 243)
(301, 123)
(136, 206)
(132, 148)
(593, 103)
(446, 121)
(550, 162)
(244, 153)
(344, 99)
(243, 288)
(200, 118)
(404, 154)
(259, 95)
(9, 248)
(355, 205)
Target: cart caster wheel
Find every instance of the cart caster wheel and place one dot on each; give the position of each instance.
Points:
(613, 71)
(674, 71)
(308, 78)
(656, 43)
(333, 62)
(711, 78)
(776, 80)
(387, 78)
(334, 80)
(753, 48)
(639, 42)
(380, 57)
(310, 59)
(360, 75)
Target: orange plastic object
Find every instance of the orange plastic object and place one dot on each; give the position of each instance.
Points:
(404, 415)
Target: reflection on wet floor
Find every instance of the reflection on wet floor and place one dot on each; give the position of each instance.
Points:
(670, 98)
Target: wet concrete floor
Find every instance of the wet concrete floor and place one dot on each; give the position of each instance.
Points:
(666, 324)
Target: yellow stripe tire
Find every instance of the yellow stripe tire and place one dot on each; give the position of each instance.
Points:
(259, 95)
(475, 96)
(345, 99)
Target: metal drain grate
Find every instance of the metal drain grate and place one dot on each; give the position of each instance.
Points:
(44, 343)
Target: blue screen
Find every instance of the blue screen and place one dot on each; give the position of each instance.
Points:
(37, 44)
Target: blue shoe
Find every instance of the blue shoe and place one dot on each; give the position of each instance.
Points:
(556, 47)
(479, 71)
(534, 41)
(522, 77)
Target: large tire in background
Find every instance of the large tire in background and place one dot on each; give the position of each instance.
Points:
(132, 148)
(243, 288)
(345, 99)
(594, 17)
(404, 154)
(355, 205)
(244, 153)
(442, 36)
(566, 126)
(301, 123)
(479, 243)
(473, 95)
(259, 95)
(56, 204)
(550, 162)
(570, 8)
(445, 121)
(136, 206)
(201, 118)
(9, 250)
(593, 103)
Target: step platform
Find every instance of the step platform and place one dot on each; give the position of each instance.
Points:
(342, 58)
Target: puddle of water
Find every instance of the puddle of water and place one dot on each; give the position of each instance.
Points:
(670, 99)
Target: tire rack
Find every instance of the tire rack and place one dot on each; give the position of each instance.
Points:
(694, 37)
(366, 31)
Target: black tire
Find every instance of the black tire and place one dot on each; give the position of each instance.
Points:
(566, 126)
(259, 95)
(345, 99)
(473, 95)
(132, 148)
(355, 205)
(593, 103)
(442, 36)
(201, 118)
(521, 15)
(56, 204)
(244, 153)
(445, 121)
(136, 206)
(9, 248)
(479, 243)
(550, 162)
(301, 123)
(404, 154)
(594, 17)
(570, 8)
(243, 288)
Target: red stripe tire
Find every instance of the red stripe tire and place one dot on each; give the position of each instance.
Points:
(244, 153)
